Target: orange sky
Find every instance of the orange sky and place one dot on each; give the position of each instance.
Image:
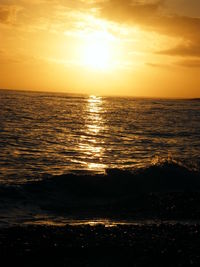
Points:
(120, 47)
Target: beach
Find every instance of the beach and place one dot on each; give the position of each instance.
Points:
(119, 226)
(84, 245)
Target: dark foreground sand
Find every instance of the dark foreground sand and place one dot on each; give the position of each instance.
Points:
(165, 192)
(83, 245)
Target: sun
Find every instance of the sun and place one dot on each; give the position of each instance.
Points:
(96, 56)
(97, 52)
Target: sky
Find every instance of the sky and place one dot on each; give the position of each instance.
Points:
(104, 47)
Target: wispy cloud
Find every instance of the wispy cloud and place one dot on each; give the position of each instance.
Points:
(185, 49)
(195, 63)
(127, 11)
(8, 13)
(158, 65)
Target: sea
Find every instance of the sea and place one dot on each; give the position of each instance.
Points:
(47, 137)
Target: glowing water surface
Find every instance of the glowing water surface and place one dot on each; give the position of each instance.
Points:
(51, 134)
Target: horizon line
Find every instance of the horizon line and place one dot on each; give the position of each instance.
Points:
(103, 95)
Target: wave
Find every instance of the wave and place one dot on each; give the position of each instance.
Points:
(167, 190)
(164, 176)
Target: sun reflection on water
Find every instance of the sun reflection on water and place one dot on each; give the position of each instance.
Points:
(91, 144)
(94, 114)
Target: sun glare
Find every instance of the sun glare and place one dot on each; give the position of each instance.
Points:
(96, 55)
(97, 51)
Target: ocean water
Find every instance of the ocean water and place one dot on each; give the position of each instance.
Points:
(44, 133)
(47, 140)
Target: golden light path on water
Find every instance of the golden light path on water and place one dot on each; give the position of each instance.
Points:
(89, 143)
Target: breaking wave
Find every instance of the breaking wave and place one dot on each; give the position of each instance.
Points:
(164, 176)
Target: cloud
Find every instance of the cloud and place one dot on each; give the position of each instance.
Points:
(186, 29)
(124, 11)
(156, 65)
(189, 8)
(185, 50)
(152, 16)
(8, 13)
(54, 15)
(189, 63)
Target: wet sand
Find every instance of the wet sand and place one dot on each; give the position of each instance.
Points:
(85, 245)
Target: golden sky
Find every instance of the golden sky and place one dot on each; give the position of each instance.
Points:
(121, 47)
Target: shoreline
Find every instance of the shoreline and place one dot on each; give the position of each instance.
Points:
(158, 195)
